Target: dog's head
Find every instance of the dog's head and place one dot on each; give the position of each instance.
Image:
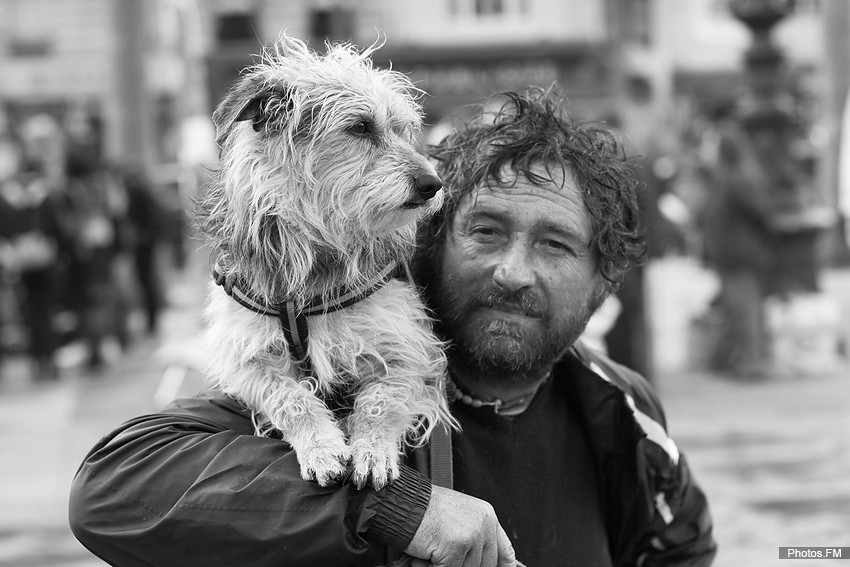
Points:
(319, 160)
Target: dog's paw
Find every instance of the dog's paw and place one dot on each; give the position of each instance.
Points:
(373, 461)
(326, 463)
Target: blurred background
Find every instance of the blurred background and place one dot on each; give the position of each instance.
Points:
(734, 113)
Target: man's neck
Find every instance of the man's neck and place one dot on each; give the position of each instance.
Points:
(488, 385)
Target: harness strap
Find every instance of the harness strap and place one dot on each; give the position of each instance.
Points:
(293, 321)
(440, 449)
(294, 325)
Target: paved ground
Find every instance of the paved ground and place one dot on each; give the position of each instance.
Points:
(774, 456)
(46, 429)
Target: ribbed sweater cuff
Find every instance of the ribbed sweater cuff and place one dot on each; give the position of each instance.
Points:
(400, 508)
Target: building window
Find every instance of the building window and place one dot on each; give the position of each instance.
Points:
(638, 21)
(335, 24)
(24, 31)
(807, 7)
(488, 8)
(235, 27)
(30, 47)
(796, 6)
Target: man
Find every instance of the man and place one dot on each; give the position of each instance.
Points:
(740, 244)
(563, 458)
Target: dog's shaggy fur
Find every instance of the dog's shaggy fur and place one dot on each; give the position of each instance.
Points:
(321, 186)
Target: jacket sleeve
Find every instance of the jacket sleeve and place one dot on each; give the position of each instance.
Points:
(679, 533)
(676, 528)
(177, 490)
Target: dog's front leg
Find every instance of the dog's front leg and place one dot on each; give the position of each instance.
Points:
(308, 425)
(378, 424)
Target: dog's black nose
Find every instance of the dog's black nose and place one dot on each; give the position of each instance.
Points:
(427, 185)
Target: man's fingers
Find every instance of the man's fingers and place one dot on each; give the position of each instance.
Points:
(473, 557)
(490, 554)
(458, 530)
(505, 551)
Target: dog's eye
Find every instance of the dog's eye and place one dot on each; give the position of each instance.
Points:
(361, 128)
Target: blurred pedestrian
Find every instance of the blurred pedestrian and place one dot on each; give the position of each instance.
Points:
(10, 159)
(97, 208)
(36, 239)
(738, 245)
(629, 341)
(145, 214)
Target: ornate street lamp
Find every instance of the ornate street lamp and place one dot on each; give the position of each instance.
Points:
(803, 322)
(799, 215)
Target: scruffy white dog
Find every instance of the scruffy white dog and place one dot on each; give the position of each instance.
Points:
(312, 212)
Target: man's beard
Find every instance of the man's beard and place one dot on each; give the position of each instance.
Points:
(506, 346)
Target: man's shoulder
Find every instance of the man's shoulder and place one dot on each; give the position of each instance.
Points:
(208, 412)
(630, 382)
(608, 368)
(638, 395)
(213, 408)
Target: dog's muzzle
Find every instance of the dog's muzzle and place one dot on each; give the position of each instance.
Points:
(426, 186)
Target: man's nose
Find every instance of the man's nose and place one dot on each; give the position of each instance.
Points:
(514, 270)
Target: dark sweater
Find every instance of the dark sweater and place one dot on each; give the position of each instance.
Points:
(522, 492)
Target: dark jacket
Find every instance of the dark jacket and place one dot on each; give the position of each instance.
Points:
(192, 485)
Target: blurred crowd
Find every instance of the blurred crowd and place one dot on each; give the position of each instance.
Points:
(84, 244)
(79, 244)
(709, 193)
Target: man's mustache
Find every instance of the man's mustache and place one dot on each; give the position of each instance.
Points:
(522, 300)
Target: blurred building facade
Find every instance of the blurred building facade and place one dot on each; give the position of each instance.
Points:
(461, 50)
(121, 65)
(150, 71)
(458, 51)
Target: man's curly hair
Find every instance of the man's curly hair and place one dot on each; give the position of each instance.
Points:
(533, 128)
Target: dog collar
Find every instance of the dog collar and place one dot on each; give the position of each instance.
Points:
(293, 320)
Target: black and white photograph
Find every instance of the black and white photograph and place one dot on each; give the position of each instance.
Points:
(424, 283)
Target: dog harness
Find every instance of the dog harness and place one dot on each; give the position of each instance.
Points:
(293, 321)
(294, 324)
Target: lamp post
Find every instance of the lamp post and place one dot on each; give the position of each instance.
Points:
(133, 111)
(802, 322)
(799, 216)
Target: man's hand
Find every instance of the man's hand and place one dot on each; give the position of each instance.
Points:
(460, 531)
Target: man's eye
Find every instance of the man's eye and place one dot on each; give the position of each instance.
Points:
(362, 128)
(556, 246)
(484, 234)
(482, 231)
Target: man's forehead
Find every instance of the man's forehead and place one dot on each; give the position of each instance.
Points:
(559, 186)
(554, 204)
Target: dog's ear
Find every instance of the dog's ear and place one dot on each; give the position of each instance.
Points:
(248, 100)
(255, 111)
(245, 99)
